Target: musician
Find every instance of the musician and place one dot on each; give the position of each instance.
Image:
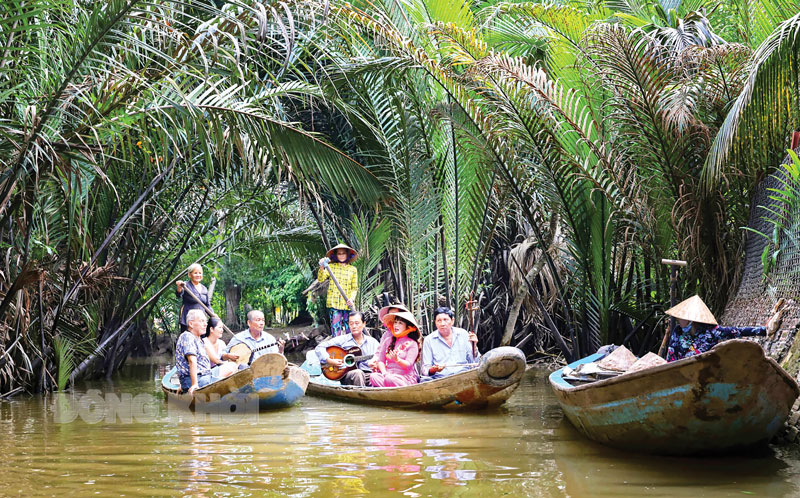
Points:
(194, 367)
(395, 360)
(341, 265)
(255, 337)
(195, 287)
(355, 339)
(386, 338)
(449, 350)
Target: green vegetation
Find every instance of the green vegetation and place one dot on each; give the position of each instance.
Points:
(439, 138)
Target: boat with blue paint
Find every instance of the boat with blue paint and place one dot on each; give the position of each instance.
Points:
(731, 397)
(269, 382)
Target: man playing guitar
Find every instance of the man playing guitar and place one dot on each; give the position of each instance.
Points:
(254, 337)
(358, 376)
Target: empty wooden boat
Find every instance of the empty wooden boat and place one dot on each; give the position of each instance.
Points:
(728, 398)
(490, 383)
(269, 382)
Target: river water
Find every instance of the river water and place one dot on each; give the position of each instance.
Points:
(119, 439)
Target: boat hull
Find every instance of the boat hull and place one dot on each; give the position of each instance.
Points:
(489, 384)
(728, 398)
(269, 383)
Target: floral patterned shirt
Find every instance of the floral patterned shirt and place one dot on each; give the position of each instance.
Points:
(190, 344)
(685, 344)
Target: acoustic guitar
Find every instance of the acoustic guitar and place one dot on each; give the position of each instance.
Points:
(245, 353)
(350, 358)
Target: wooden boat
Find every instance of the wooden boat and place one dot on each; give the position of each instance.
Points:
(270, 382)
(730, 397)
(490, 383)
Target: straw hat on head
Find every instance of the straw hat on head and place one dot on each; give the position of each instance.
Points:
(405, 315)
(331, 254)
(385, 309)
(693, 309)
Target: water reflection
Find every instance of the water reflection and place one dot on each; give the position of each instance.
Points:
(590, 469)
(340, 450)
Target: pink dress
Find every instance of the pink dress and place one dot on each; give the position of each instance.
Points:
(396, 375)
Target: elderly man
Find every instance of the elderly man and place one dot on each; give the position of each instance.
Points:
(449, 350)
(194, 367)
(255, 337)
(355, 339)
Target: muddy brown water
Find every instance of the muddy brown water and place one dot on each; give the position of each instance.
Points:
(119, 439)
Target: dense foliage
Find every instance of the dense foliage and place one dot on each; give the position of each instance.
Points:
(545, 153)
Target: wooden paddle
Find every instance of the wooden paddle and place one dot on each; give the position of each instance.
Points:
(205, 308)
(325, 262)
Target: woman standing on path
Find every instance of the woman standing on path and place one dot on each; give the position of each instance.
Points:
(341, 257)
(198, 290)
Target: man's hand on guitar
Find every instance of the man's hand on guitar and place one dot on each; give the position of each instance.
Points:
(281, 344)
(336, 362)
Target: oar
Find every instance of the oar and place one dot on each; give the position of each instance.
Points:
(325, 262)
(205, 308)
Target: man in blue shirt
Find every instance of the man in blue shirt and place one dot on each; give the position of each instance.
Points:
(255, 337)
(194, 367)
(355, 339)
(449, 350)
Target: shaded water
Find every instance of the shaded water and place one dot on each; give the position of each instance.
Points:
(320, 448)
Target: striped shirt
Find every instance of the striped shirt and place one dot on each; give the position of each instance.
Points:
(347, 276)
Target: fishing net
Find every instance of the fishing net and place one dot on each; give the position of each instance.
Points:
(757, 294)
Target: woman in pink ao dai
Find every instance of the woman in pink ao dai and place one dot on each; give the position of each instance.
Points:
(397, 353)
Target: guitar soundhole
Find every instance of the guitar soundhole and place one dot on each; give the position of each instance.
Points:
(233, 408)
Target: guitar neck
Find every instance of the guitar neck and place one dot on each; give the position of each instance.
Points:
(264, 347)
(275, 343)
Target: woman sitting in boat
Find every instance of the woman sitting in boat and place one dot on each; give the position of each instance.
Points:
(697, 330)
(394, 365)
(215, 348)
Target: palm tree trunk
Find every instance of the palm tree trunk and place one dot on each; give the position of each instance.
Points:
(522, 290)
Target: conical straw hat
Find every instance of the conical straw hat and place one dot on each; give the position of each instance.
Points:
(405, 315)
(331, 254)
(385, 309)
(693, 309)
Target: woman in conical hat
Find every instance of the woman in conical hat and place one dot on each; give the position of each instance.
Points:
(395, 363)
(386, 338)
(341, 258)
(697, 330)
